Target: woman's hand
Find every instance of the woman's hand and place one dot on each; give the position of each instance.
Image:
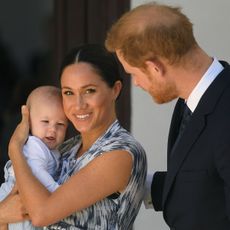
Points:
(21, 132)
(11, 209)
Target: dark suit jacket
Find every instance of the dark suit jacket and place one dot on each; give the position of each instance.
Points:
(194, 194)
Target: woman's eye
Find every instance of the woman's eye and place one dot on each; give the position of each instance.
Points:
(89, 91)
(67, 93)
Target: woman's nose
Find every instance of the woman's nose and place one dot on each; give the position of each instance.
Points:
(80, 102)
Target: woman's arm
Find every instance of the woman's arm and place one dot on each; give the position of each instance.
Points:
(103, 176)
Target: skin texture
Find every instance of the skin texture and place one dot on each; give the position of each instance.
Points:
(48, 122)
(153, 79)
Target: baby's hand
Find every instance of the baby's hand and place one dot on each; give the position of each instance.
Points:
(21, 132)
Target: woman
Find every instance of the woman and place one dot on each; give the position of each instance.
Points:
(103, 169)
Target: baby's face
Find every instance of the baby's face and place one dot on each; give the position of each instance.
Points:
(49, 123)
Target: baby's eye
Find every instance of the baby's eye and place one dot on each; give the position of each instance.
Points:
(60, 124)
(90, 90)
(45, 121)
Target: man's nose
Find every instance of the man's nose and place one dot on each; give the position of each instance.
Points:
(135, 81)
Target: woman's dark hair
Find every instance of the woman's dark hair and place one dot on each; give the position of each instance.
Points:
(102, 61)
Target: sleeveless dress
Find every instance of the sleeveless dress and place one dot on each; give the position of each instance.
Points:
(114, 212)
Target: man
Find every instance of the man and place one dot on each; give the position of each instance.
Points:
(156, 46)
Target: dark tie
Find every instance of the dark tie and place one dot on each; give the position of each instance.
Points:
(184, 121)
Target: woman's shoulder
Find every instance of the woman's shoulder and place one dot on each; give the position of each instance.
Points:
(120, 138)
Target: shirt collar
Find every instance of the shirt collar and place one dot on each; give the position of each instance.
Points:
(214, 69)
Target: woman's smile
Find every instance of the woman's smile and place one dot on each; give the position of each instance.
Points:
(82, 116)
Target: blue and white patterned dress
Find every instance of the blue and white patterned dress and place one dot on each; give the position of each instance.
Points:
(110, 213)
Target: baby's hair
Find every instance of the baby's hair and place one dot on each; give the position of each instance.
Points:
(46, 93)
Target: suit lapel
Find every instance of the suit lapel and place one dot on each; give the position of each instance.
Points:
(194, 128)
(181, 150)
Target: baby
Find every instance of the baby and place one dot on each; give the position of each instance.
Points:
(48, 125)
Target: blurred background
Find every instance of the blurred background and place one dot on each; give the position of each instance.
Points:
(34, 38)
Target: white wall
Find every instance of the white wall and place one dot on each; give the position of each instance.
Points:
(150, 122)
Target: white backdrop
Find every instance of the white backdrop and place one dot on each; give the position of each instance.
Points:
(150, 122)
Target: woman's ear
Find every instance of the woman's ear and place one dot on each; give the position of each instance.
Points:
(117, 89)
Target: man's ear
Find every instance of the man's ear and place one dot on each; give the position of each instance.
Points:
(156, 67)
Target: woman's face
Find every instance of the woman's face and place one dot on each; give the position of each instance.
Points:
(88, 101)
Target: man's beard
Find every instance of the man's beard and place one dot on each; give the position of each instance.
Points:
(164, 94)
